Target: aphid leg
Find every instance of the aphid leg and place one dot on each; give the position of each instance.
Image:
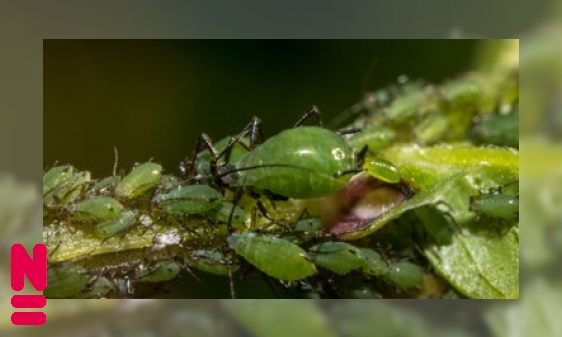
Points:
(312, 112)
(187, 166)
(196, 278)
(349, 131)
(231, 281)
(271, 285)
(261, 208)
(237, 196)
(360, 156)
(447, 213)
(254, 129)
(346, 172)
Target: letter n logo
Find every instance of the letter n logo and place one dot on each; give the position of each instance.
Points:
(35, 268)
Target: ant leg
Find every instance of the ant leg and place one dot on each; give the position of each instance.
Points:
(312, 112)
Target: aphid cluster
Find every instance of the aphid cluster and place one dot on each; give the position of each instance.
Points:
(465, 108)
(281, 206)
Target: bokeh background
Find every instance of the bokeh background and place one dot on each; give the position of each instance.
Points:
(540, 26)
(152, 98)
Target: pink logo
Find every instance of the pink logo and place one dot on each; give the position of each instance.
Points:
(36, 271)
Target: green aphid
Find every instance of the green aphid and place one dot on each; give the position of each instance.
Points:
(498, 130)
(98, 287)
(158, 272)
(405, 107)
(464, 93)
(376, 137)
(500, 206)
(303, 162)
(96, 209)
(65, 280)
(275, 257)
(373, 262)
(63, 184)
(404, 274)
(140, 180)
(192, 199)
(432, 128)
(121, 223)
(55, 176)
(339, 257)
(221, 214)
(211, 261)
(106, 184)
(383, 170)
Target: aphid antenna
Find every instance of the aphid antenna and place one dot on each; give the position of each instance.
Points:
(115, 164)
(55, 163)
(349, 131)
(231, 281)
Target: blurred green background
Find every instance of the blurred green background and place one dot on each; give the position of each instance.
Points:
(152, 98)
(536, 313)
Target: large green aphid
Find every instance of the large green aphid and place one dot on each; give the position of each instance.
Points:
(191, 199)
(302, 162)
(275, 257)
(95, 209)
(140, 180)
